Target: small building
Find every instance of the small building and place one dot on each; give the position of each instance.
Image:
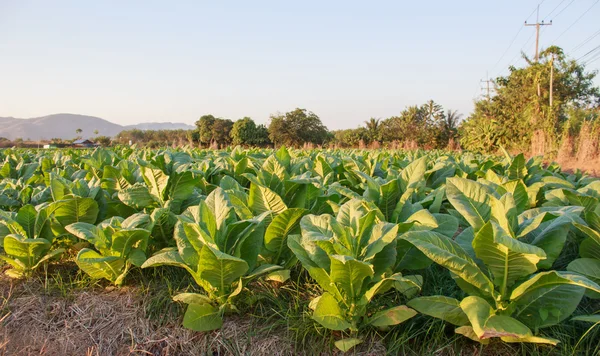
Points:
(83, 143)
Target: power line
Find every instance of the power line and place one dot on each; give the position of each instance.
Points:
(551, 12)
(564, 8)
(593, 59)
(585, 41)
(588, 53)
(573, 24)
(507, 48)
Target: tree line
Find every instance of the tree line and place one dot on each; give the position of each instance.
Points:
(427, 125)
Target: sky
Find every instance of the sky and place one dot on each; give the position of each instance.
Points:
(347, 61)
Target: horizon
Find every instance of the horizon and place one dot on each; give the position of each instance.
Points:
(131, 64)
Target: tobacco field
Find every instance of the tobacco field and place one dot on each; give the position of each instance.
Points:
(496, 253)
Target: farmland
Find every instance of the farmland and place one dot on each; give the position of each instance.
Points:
(296, 251)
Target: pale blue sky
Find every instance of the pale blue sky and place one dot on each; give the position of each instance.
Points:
(139, 61)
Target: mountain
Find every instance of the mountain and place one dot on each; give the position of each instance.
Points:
(64, 125)
(160, 126)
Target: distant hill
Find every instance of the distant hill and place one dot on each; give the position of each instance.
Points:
(64, 125)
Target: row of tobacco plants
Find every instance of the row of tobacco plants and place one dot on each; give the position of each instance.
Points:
(520, 240)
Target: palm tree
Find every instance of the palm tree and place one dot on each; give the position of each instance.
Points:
(373, 129)
(452, 119)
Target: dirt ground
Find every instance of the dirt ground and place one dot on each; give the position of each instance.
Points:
(591, 167)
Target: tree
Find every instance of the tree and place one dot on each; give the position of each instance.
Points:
(261, 136)
(297, 127)
(204, 126)
(373, 129)
(411, 125)
(96, 132)
(243, 131)
(78, 131)
(103, 141)
(220, 132)
(521, 104)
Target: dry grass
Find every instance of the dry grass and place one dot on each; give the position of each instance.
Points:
(112, 322)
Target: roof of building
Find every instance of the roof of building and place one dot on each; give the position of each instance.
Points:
(82, 142)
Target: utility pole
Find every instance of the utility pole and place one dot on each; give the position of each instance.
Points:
(537, 25)
(551, 79)
(487, 88)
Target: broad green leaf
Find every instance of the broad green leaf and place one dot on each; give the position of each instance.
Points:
(76, 210)
(471, 200)
(192, 298)
(441, 307)
(98, 266)
(389, 193)
(517, 168)
(220, 269)
(450, 255)
(280, 227)
(28, 251)
(413, 173)
(26, 218)
(329, 314)
(202, 317)
(486, 324)
(507, 258)
(219, 205)
(589, 318)
(392, 316)
(590, 246)
(349, 274)
(262, 199)
(345, 345)
(548, 298)
(137, 196)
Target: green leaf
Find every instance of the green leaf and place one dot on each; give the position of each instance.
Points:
(590, 246)
(329, 314)
(558, 293)
(507, 258)
(392, 316)
(467, 331)
(470, 199)
(192, 298)
(486, 324)
(180, 186)
(26, 218)
(156, 180)
(219, 269)
(262, 199)
(280, 227)
(349, 274)
(389, 193)
(413, 173)
(98, 266)
(517, 168)
(202, 317)
(345, 345)
(27, 251)
(123, 241)
(219, 205)
(137, 196)
(588, 267)
(441, 307)
(450, 255)
(589, 318)
(76, 210)
(87, 232)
